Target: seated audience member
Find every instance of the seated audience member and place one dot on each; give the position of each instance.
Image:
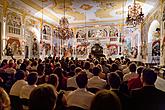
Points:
(125, 66)
(61, 99)
(34, 66)
(114, 67)
(27, 89)
(101, 74)
(132, 73)
(4, 100)
(71, 82)
(96, 81)
(41, 75)
(136, 82)
(62, 79)
(10, 70)
(71, 72)
(23, 67)
(106, 100)
(160, 82)
(80, 97)
(148, 97)
(15, 89)
(115, 82)
(86, 69)
(4, 64)
(43, 97)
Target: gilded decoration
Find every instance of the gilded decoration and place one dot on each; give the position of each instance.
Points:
(14, 23)
(75, 9)
(86, 7)
(13, 47)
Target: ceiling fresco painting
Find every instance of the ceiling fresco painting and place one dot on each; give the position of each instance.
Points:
(77, 11)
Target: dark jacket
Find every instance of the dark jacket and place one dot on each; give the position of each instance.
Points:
(148, 98)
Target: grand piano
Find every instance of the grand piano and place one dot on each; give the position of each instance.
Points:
(97, 51)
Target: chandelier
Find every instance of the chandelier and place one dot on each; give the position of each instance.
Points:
(64, 31)
(135, 15)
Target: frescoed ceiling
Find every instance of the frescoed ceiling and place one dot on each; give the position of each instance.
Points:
(80, 11)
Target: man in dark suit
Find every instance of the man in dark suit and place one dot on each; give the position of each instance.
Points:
(148, 97)
(114, 82)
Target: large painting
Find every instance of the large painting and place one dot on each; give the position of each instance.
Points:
(13, 47)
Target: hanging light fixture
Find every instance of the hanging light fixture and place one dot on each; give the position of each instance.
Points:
(64, 30)
(135, 15)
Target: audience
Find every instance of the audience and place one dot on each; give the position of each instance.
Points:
(132, 73)
(135, 83)
(43, 97)
(4, 100)
(27, 89)
(115, 82)
(80, 97)
(106, 100)
(86, 69)
(96, 81)
(67, 84)
(71, 82)
(148, 97)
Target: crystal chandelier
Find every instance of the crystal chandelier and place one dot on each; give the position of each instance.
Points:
(135, 15)
(64, 31)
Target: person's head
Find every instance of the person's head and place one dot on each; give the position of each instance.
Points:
(11, 62)
(58, 65)
(4, 62)
(106, 100)
(72, 67)
(148, 76)
(40, 69)
(120, 73)
(82, 79)
(34, 63)
(96, 71)
(32, 78)
(96, 62)
(87, 65)
(77, 70)
(140, 70)
(100, 67)
(114, 67)
(53, 79)
(114, 80)
(132, 67)
(58, 71)
(23, 67)
(19, 61)
(4, 100)
(43, 97)
(20, 74)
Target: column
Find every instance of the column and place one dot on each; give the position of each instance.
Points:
(162, 45)
(3, 39)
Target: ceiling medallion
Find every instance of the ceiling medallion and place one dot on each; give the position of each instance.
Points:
(64, 31)
(135, 15)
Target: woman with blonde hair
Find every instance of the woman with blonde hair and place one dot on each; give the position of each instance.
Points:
(4, 100)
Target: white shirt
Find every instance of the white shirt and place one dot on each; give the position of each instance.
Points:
(89, 74)
(80, 98)
(96, 82)
(26, 91)
(130, 76)
(160, 83)
(15, 89)
(71, 82)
